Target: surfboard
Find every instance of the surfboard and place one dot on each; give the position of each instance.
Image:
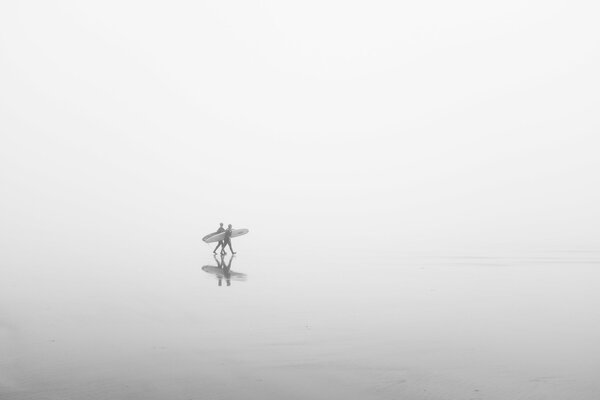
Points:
(221, 273)
(209, 235)
(215, 237)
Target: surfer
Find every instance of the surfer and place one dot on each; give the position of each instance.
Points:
(221, 229)
(227, 240)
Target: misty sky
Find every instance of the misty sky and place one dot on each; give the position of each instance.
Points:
(406, 122)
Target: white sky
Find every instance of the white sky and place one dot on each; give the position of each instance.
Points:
(405, 123)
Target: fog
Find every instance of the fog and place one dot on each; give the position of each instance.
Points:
(344, 135)
(403, 125)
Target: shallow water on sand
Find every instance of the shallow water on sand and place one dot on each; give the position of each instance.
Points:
(354, 325)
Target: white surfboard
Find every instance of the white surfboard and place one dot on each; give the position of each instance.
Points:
(215, 237)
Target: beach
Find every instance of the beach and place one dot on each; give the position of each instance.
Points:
(419, 181)
(357, 325)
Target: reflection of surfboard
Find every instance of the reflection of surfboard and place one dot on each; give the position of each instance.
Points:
(221, 273)
(215, 237)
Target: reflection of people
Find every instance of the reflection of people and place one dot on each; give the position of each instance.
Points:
(227, 240)
(220, 266)
(226, 269)
(221, 229)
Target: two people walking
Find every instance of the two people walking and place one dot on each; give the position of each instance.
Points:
(226, 240)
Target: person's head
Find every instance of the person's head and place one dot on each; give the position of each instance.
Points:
(229, 226)
(221, 224)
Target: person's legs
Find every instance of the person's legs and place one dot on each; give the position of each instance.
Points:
(230, 248)
(220, 244)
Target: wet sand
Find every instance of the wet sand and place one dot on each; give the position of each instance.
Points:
(347, 326)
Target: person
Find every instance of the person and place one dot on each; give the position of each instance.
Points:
(221, 229)
(227, 240)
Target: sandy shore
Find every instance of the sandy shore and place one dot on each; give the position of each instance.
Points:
(411, 328)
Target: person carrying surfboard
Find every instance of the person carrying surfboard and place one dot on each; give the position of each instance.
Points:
(227, 240)
(221, 229)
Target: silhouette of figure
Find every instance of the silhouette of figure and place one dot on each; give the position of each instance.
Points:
(221, 229)
(227, 240)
